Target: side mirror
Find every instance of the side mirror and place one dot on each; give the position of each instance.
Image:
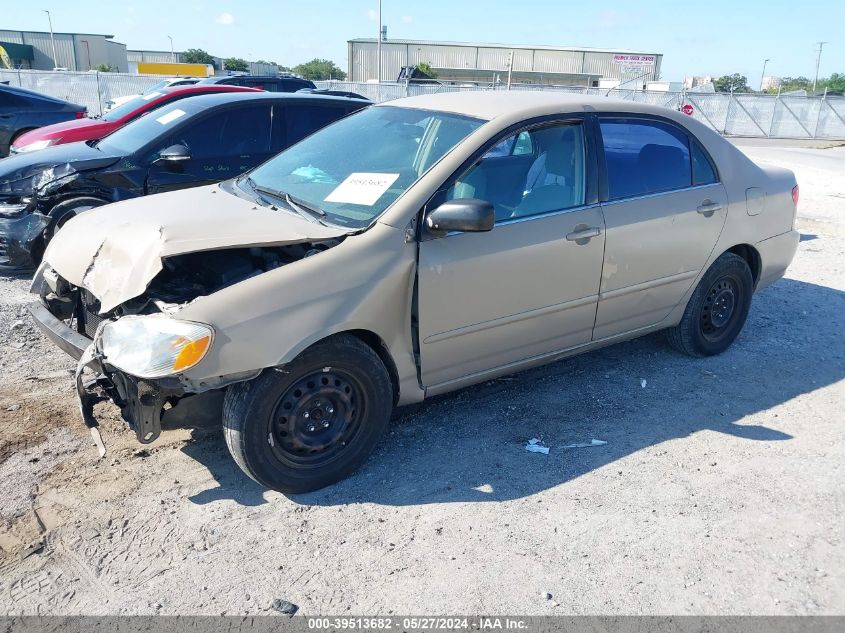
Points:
(174, 154)
(468, 215)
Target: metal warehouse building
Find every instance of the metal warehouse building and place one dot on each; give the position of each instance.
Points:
(74, 51)
(485, 63)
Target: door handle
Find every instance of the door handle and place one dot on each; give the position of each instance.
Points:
(584, 234)
(708, 208)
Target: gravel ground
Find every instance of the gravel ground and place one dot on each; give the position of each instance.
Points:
(720, 489)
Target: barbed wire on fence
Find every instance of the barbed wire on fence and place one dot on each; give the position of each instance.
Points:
(772, 116)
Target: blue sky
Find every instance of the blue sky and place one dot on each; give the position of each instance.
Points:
(696, 36)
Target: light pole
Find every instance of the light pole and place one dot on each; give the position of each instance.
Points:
(52, 39)
(378, 44)
(763, 75)
(172, 54)
(818, 61)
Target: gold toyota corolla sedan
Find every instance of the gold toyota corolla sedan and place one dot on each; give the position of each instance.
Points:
(408, 250)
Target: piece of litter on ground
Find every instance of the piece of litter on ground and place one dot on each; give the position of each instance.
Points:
(283, 606)
(586, 444)
(643, 383)
(535, 446)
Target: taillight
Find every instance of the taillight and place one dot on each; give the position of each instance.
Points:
(795, 195)
(81, 115)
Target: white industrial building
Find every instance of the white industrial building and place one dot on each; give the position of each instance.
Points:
(73, 51)
(457, 62)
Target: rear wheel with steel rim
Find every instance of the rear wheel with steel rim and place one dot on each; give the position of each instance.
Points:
(717, 309)
(313, 422)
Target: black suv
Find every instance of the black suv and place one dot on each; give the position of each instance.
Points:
(270, 84)
(194, 141)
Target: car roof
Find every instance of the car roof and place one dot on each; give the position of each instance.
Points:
(205, 101)
(491, 104)
(207, 88)
(216, 78)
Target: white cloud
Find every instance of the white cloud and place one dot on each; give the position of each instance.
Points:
(226, 19)
(372, 14)
(406, 19)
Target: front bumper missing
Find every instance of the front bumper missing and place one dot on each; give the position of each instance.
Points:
(141, 401)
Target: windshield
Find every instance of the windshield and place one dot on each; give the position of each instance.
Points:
(130, 106)
(138, 133)
(354, 169)
(158, 86)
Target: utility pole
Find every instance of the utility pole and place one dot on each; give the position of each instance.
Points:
(52, 39)
(378, 45)
(510, 69)
(172, 54)
(763, 75)
(818, 61)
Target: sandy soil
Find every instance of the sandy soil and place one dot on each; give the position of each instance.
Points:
(720, 490)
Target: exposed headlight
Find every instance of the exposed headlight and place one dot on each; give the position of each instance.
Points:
(47, 183)
(152, 347)
(31, 147)
(12, 210)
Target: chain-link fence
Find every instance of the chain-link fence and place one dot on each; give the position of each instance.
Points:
(91, 89)
(769, 116)
(729, 114)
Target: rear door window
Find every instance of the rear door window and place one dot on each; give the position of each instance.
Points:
(644, 156)
(292, 123)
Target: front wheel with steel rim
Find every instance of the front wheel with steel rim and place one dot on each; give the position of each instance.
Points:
(311, 423)
(717, 309)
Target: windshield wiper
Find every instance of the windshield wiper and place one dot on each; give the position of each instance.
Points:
(305, 210)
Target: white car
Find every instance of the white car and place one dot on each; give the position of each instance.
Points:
(165, 83)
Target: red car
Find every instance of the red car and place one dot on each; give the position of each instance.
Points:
(97, 128)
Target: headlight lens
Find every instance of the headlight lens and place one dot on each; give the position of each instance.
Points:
(31, 147)
(12, 210)
(152, 347)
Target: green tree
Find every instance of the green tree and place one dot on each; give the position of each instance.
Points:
(835, 83)
(318, 69)
(236, 63)
(426, 68)
(198, 56)
(106, 68)
(732, 83)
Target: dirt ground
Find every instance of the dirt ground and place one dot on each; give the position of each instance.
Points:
(721, 487)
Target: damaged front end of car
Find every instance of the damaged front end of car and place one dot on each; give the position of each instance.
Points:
(22, 217)
(139, 353)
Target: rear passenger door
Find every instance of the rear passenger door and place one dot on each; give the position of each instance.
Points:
(294, 121)
(664, 209)
(222, 145)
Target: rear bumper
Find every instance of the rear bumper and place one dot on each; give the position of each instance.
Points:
(68, 340)
(776, 254)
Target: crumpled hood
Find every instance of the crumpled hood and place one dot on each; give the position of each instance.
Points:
(23, 175)
(115, 251)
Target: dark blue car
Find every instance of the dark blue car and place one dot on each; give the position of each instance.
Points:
(23, 110)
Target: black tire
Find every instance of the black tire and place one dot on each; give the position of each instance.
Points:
(717, 309)
(310, 424)
(67, 209)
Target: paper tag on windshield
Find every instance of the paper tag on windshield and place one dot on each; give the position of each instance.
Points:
(164, 119)
(362, 188)
(152, 95)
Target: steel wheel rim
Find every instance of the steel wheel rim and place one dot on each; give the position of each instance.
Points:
(720, 308)
(317, 417)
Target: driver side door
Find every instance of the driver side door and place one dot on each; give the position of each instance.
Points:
(222, 145)
(529, 287)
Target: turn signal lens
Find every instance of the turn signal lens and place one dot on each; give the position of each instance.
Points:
(191, 353)
(795, 195)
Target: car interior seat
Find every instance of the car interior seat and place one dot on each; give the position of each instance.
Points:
(559, 157)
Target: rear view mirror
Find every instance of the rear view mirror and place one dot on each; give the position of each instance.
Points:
(174, 154)
(467, 215)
